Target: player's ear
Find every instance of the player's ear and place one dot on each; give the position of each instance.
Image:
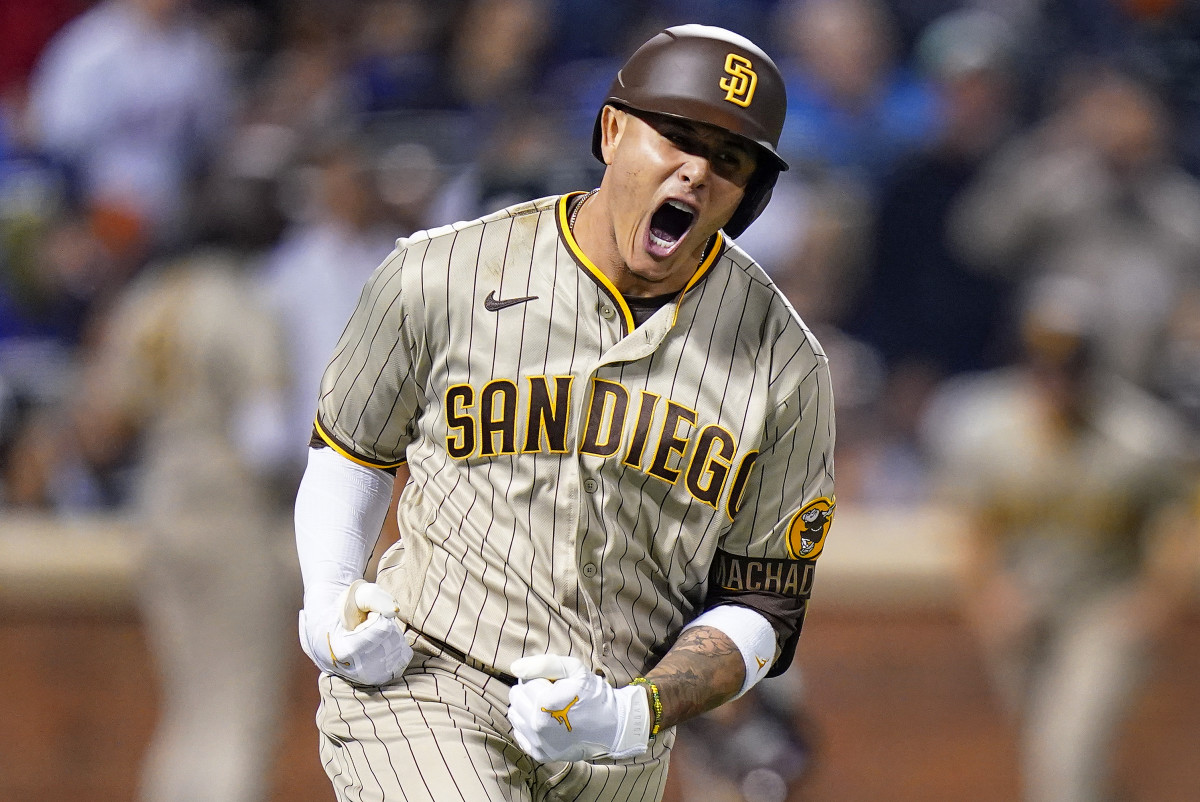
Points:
(612, 128)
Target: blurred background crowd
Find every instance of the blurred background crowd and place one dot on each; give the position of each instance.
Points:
(946, 154)
(993, 210)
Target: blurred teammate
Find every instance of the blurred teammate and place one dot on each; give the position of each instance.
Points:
(188, 376)
(1076, 485)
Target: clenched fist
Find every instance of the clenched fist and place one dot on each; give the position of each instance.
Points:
(562, 711)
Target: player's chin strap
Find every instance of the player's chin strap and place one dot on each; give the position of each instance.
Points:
(750, 632)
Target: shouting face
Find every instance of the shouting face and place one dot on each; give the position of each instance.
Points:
(670, 185)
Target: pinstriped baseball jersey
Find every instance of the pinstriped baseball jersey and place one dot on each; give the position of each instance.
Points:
(574, 477)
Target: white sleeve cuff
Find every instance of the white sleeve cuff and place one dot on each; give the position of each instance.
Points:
(750, 631)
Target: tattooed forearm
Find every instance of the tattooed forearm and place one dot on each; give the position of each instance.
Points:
(701, 671)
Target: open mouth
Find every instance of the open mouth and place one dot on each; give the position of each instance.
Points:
(668, 226)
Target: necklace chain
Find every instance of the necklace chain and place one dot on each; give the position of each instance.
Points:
(578, 206)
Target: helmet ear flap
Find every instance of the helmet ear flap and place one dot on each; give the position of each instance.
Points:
(758, 195)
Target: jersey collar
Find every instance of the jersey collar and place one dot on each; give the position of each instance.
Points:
(597, 275)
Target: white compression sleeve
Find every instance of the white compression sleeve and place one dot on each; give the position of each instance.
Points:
(750, 631)
(340, 509)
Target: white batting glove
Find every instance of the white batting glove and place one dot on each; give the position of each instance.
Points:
(360, 639)
(562, 711)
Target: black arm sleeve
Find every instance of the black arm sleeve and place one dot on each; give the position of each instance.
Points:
(776, 589)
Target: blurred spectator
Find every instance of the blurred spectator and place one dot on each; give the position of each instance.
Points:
(1163, 40)
(521, 156)
(312, 278)
(926, 313)
(813, 238)
(396, 55)
(27, 27)
(855, 110)
(922, 304)
(298, 97)
(56, 269)
(302, 90)
(1077, 488)
(1093, 192)
(42, 289)
(1175, 373)
(495, 52)
(409, 176)
(132, 98)
(587, 30)
(185, 383)
(57, 275)
(853, 104)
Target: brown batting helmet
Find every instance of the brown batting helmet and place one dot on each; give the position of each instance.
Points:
(714, 76)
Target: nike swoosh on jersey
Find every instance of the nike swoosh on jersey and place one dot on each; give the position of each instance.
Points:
(494, 304)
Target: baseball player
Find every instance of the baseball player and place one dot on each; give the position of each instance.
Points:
(616, 437)
(1079, 541)
(188, 356)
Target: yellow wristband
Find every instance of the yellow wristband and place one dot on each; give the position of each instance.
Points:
(655, 702)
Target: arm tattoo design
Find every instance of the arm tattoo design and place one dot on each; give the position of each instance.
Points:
(702, 670)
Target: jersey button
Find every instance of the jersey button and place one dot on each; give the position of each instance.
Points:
(589, 570)
(607, 312)
(590, 485)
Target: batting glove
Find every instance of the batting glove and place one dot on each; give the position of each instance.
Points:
(360, 639)
(562, 711)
